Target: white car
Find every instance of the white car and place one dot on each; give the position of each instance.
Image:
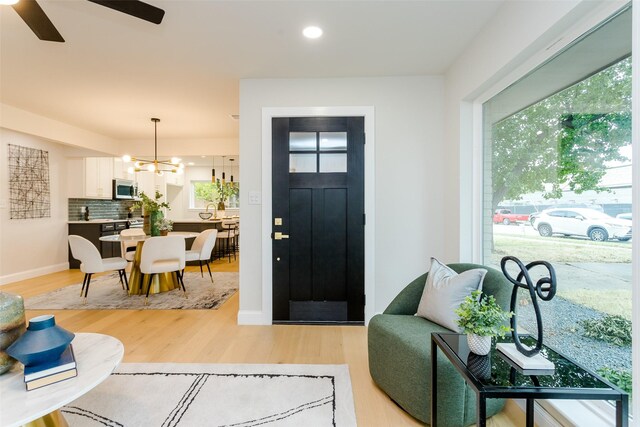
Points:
(596, 225)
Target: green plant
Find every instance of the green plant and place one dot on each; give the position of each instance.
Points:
(150, 205)
(164, 224)
(612, 329)
(620, 378)
(215, 192)
(482, 316)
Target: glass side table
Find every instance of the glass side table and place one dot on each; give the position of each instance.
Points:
(492, 376)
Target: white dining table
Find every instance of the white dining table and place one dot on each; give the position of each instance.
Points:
(116, 238)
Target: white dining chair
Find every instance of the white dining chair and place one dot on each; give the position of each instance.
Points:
(91, 262)
(201, 249)
(128, 247)
(162, 254)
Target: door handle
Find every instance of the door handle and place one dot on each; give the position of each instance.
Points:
(279, 236)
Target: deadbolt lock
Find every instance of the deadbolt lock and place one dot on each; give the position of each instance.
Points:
(279, 236)
(277, 221)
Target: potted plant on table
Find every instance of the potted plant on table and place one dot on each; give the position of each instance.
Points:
(151, 212)
(165, 225)
(481, 318)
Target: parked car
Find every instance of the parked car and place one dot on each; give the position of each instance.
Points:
(506, 217)
(626, 216)
(596, 225)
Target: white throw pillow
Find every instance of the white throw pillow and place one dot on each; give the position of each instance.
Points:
(445, 290)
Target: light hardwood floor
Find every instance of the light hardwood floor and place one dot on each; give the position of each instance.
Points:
(213, 336)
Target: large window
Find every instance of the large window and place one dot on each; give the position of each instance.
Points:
(557, 187)
(204, 193)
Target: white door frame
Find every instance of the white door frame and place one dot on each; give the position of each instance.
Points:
(268, 113)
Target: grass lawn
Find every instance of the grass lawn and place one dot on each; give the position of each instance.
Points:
(569, 250)
(559, 249)
(613, 301)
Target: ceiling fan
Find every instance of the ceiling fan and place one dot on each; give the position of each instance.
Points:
(33, 15)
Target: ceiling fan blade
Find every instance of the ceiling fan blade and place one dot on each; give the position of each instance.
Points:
(33, 15)
(134, 8)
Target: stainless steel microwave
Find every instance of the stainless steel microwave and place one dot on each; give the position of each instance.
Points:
(124, 189)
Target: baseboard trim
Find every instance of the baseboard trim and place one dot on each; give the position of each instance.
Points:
(30, 274)
(252, 317)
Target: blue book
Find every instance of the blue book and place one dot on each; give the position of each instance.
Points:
(65, 362)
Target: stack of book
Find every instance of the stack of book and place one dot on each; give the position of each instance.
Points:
(63, 368)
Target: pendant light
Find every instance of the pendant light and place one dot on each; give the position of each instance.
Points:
(173, 165)
(213, 169)
(231, 160)
(223, 170)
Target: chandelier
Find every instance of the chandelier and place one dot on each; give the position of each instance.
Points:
(158, 166)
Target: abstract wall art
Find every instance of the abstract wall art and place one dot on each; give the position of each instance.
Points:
(29, 191)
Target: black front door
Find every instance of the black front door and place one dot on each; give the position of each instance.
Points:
(318, 219)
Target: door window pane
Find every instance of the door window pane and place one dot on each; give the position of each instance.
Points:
(333, 141)
(302, 141)
(333, 162)
(301, 163)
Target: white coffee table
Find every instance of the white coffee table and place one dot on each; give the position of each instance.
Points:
(97, 356)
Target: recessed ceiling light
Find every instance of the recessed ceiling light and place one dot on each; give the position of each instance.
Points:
(204, 157)
(312, 32)
(191, 163)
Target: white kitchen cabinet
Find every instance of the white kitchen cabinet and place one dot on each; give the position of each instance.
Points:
(98, 175)
(121, 169)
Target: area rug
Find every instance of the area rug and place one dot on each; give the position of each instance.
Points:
(150, 394)
(106, 293)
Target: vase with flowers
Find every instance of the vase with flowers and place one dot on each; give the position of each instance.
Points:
(152, 212)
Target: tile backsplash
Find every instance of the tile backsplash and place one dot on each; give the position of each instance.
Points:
(100, 209)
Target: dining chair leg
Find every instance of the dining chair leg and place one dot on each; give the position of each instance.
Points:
(84, 283)
(121, 281)
(208, 268)
(201, 273)
(126, 281)
(181, 281)
(86, 290)
(148, 288)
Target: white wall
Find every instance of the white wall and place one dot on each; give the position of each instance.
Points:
(409, 171)
(32, 247)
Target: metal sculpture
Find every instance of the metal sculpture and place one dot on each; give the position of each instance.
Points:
(545, 288)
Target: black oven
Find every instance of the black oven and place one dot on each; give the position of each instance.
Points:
(124, 189)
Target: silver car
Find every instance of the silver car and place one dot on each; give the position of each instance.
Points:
(590, 223)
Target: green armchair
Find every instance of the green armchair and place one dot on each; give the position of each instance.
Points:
(400, 355)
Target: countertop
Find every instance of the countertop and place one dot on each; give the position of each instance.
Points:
(195, 221)
(97, 221)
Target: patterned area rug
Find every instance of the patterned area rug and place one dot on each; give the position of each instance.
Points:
(149, 394)
(106, 293)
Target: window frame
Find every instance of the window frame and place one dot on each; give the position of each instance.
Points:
(471, 161)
